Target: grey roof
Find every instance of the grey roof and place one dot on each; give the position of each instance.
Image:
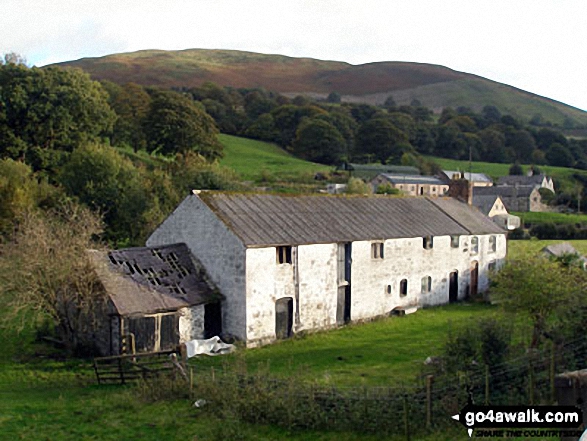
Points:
(503, 191)
(270, 220)
(476, 177)
(411, 179)
(152, 279)
(521, 180)
(559, 249)
(484, 202)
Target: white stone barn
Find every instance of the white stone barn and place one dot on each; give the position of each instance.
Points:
(286, 264)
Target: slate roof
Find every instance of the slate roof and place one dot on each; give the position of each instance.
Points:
(503, 191)
(151, 279)
(521, 180)
(411, 179)
(476, 177)
(484, 202)
(272, 220)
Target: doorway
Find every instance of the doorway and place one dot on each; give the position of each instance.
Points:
(453, 287)
(343, 304)
(283, 317)
(212, 320)
(474, 278)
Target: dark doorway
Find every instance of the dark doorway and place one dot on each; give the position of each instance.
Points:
(283, 317)
(343, 305)
(474, 278)
(212, 320)
(453, 288)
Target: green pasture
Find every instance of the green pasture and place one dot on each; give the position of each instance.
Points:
(257, 161)
(537, 217)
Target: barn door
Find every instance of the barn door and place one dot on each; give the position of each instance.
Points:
(283, 317)
(453, 288)
(343, 306)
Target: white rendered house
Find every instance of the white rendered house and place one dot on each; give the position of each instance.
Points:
(286, 264)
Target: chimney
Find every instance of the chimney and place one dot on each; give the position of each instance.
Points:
(461, 189)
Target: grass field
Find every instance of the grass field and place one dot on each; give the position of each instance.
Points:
(557, 218)
(253, 160)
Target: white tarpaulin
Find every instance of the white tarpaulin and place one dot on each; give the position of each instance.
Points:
(212, 346)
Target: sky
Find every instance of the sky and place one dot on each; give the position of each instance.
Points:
(536, 45)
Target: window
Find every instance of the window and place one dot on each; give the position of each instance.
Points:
(427, 242)
(377, 250)
(403, 288)
(283, 255)
(491, 266)
(492, 244)
(426, 284)
(388, 289)
(475, 245)
(454, 241)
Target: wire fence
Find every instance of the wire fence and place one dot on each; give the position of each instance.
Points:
(427, 404)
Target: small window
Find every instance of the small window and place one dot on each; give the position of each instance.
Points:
(475, 245)
(403, 288)
(427, 242)
(283, 255)
(492, 244)
(455, 241)
(411, 188)
(388, 289)
(426, 284)
(377, 250)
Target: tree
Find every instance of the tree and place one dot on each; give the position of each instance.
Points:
(46, 272)
(358, 186)
(333, 97)
(319, 141)
(176, 124)
(381, 138)
(516, 170)
(50, 109)
(559, 155)
(538, 288)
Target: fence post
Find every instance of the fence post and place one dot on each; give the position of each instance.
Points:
(406, 418)
(487, 385)
(429, 379)
(552, 371)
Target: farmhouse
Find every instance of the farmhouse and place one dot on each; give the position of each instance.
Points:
(493, 207)
(413, 185)
(286, 264)
(535, 181)
(515, 198)
(476, 179)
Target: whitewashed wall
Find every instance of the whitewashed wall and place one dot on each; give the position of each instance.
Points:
(315, 297)
(191, 323)
(220, 252)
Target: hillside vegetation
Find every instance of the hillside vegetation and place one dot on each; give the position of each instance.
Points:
(435, 86)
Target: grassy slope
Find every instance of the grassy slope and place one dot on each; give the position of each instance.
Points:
(435, 86)
(252, 159)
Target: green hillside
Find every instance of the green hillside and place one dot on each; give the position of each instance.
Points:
(435, 86)
(253, 160)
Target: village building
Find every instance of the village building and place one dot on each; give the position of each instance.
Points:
(413, 185)
(515, 198)
(476, 179)
(155, 299)
(287, 264)
(493, 207)
(535, 181)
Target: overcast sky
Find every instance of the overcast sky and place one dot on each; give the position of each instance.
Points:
(536, 45)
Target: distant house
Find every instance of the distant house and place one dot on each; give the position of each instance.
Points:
(413, 185)
(514, 198)
(476, 179)
(287, 264)
(493, 207)
(534, 181)
(156, 298)
(369, 171)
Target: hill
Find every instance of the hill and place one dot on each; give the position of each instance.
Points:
(434, 86)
